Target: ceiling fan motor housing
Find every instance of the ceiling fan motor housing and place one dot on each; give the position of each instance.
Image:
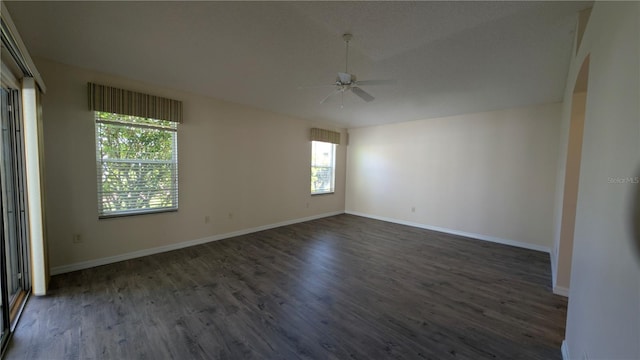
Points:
(345, 79)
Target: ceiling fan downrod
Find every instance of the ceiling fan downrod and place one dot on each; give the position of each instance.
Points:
(346, 37)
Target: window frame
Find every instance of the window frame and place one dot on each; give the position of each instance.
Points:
(173, 128)
(332, 188)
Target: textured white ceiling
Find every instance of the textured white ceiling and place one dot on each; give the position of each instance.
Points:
(448, 57)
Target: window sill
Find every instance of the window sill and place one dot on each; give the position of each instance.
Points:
(135, 213)
(323, 193)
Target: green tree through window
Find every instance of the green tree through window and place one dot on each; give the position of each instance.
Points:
(137, 164)
(323, 167)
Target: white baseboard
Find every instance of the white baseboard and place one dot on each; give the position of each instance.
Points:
(565, 350)
(456, 232)
(160, 249)
(561, 290)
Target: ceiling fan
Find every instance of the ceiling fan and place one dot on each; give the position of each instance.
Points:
(346, 82)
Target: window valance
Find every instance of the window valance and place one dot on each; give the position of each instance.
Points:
(325, 135)
(113, 100)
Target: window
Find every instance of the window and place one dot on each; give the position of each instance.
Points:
(136, 151)
(137, 162)
(323, 167)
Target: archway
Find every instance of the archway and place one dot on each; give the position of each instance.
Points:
(572, 177)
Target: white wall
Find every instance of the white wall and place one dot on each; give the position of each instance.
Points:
(232, 159)
(603, 319)
(490, 175)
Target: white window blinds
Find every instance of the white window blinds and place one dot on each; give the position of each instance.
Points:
(137, 164)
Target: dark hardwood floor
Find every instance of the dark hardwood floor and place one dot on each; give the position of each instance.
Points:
(343, 287)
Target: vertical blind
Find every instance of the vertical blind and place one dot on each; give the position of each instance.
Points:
(118, 101)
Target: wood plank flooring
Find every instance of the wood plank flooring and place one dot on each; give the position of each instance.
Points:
(343, 287)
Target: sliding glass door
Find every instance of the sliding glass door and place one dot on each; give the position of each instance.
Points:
(14, 252)
(3, 308)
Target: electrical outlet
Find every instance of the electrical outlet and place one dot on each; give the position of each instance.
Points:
(207, 219)
(77, 239)
(413, 209)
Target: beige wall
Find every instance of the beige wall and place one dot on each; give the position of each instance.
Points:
(571, 154)
(603, 320)
(233, 159)
(490, 175)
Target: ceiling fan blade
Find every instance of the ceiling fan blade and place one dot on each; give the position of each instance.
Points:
(362, 94)
(315, 86)
(377, 82)
(344, 78)
(330, 95)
